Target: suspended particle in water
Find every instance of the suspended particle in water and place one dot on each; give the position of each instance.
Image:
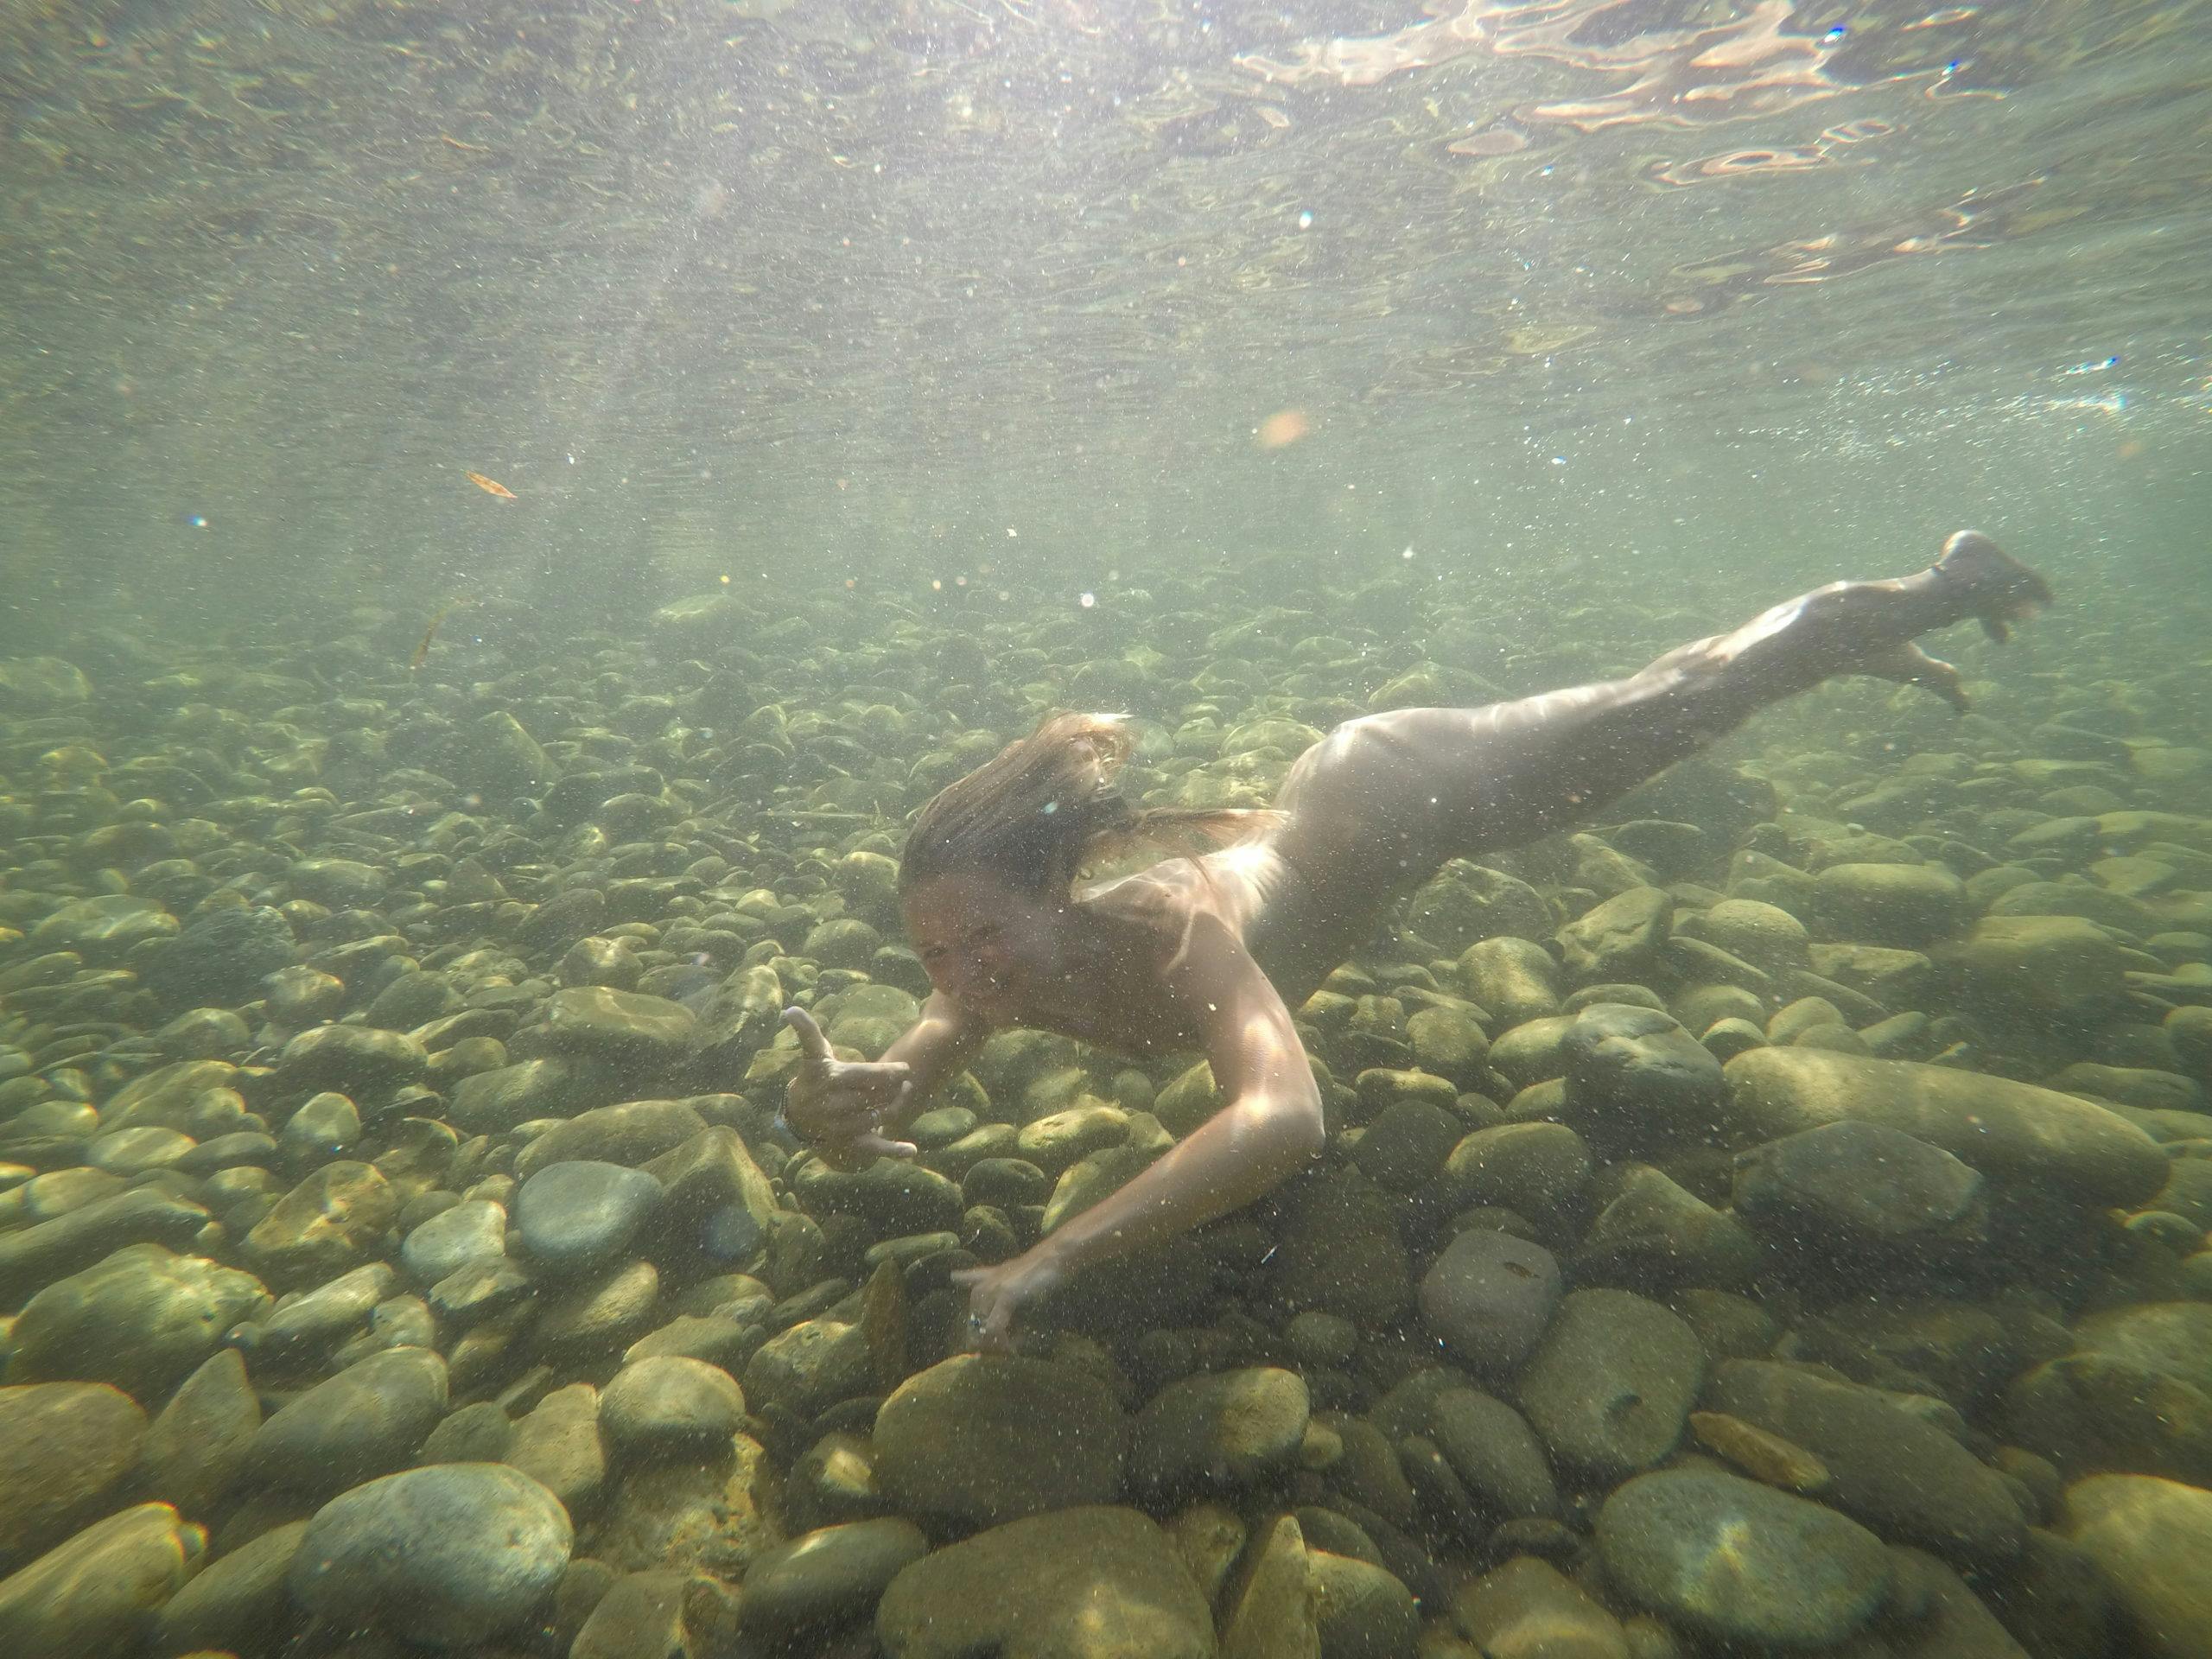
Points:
(724, 579)
(1306, 220)
(195, 520)
(1086, 600)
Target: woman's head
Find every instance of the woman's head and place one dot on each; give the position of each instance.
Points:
(1032, 816)
(991, 862)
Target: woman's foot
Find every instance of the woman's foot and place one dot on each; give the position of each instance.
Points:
(1997, 588)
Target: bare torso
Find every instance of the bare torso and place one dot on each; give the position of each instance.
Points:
(1116, 989)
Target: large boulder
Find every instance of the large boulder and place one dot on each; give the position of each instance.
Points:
(1092, 1583)
(2008, 1131)
(449, 1555)
(981, 1440)
(2152, 1539)
(1741, 1562)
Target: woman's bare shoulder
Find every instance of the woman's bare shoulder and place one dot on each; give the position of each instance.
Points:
(1169, 891)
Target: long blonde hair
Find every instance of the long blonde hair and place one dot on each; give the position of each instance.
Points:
(1046, 807)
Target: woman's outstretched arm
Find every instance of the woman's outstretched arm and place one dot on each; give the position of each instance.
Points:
(1270, 1128)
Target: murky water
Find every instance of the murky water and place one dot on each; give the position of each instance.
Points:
(508, 510)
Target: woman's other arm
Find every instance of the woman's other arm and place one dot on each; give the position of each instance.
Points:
(1270, 1128)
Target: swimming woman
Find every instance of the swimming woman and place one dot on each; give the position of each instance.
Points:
(1212, 950)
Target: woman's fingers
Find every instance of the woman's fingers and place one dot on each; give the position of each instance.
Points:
(990, 1309)
(872, 1144)
(870, 1077)
(811, 1042)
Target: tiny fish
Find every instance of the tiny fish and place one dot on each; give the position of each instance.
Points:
(490, 486)
(422, 652)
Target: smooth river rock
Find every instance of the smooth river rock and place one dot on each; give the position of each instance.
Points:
(448, 1555)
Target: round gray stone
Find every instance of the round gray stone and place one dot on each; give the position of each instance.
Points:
(474, 1230)
(1488, 1297)
(448, 1555)
(369, 1418)
(830, 1577)
(668, 1402)
(582, 1215)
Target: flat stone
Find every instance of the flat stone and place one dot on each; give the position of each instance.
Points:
(102, 929)
(1657, 1236)
(352, 1061)
(1741, 1562)
(473, 1232)
(1091, 1583)
(479, 1433)
(1223, 1431)
(310, 1321)
(68, 1243)
(1338, 1251)
(133, 1152)
(829, 1578)
(328, 1223)
(494, 1102)
(240, 1604)
(983, 1439)
(1856, 1180)
(142, 1319)
(477, 1292)
(1494, 1452)
(1363, 1611)
(2009, 1131)
(1618, 940)
(165, 1096)
(646, 1612)
(669, 1404)
(2037, 965)
(1610, 1386)
(2151, 1538)
(1901, 906)
(1635, 1077)
(810, 1368)
(324, 1126)
(366, 1420)
(1766, 935)
(630, 1132)
(198, 1445)
(891, 1196)
(94, 1595)
(1529, 1609)
(601, 1315)
(1514, 978)
(340, 883)
(63, 1448)
(1536, 1168)
(559, 1445)
(1488, 1297)
(1889, 1469)
(582, 1216)
(592, 1020)
(448, 1556)
(1404, 1148)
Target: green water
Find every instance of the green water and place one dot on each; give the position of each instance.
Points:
(863, 382)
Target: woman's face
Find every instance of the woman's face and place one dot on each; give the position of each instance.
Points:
(980, 940)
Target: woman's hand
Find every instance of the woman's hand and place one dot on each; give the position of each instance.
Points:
(997, 1294)
(839, 1107)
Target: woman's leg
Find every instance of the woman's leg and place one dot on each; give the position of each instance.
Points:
(1373, 809)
